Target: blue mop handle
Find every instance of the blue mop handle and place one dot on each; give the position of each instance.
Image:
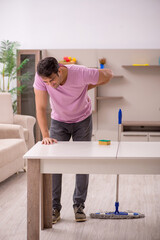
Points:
(120, 116)
(119, 124)
(117, 182)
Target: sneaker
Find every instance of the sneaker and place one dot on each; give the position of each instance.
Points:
(80, 216)
(55, 216)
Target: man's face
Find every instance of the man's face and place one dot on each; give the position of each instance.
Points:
(54, 80)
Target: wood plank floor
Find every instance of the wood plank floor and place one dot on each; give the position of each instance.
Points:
(137, 193)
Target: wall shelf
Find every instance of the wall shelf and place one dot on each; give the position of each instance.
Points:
(109, 97)
(141, 123)
(117, 76)
(141, 66)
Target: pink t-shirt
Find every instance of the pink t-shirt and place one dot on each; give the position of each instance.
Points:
(70, 102)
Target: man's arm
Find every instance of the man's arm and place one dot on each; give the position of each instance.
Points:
(41, 99)
(104, 77)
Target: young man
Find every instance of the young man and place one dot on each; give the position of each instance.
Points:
(71, 116)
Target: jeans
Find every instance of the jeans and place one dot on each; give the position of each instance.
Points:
(80, 131)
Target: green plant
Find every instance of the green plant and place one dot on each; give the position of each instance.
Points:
(9, 69)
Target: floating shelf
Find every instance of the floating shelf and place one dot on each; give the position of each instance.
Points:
(109, 97)
(141, 123)
(117, 76)
(67, 63)
(141, 66)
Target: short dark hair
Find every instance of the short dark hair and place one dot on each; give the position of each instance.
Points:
(47, 66)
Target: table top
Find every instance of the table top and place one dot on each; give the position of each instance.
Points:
(139, 150)
(82, 150)
(72, 150)
(90, 157)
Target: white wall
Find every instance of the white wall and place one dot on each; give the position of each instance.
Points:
(41, 24)
(137, 89)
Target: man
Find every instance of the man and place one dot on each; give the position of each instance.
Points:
(71, 116)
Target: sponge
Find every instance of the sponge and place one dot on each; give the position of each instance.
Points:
(104, 142)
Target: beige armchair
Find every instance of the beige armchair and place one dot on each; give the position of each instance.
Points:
(16, 137)
(14, 125)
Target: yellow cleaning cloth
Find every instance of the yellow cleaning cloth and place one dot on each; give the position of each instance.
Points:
(136, 64)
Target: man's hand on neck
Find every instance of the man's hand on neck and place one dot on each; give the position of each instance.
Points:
(64, 73)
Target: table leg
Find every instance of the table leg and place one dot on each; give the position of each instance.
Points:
(33, 197)
(46, 202)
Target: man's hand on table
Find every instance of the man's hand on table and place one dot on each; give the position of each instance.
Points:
(48, 140)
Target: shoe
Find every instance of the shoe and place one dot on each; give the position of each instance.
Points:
(55, 216)
(80, 216)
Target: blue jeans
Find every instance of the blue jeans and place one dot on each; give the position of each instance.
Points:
(80, 131)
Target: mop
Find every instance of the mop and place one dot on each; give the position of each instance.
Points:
(117, 214)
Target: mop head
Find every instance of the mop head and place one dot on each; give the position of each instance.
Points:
(117, 215)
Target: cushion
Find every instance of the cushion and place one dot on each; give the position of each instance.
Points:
(10, 149)
(6, 111)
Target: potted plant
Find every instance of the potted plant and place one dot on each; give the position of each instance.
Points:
(9, 69)
(102, 62)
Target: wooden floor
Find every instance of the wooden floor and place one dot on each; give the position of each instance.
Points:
(137, 193)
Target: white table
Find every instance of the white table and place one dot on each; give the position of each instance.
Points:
(80, 157)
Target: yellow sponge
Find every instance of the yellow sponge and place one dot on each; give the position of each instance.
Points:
(104, 142)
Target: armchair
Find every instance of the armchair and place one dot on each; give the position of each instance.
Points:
(16, 137)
